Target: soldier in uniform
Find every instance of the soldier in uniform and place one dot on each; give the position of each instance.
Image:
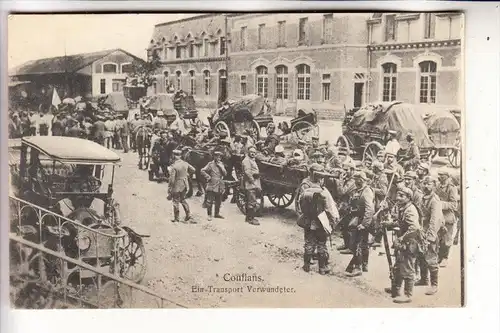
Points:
(279, 156)
(412, 158)
(313, 201)
(272, 139)
(423, 170)
(392, 145)
(448, 194)
(381, 156)
(410, 179)
(391, 165)
(297, 159)
(179, 184)
(214, 173)
(160, 156)
(313, 147)
(251, 185)
(345, 188)
(360, 219)
(380, 188)
(133, 125)
(406, 244)
(432, 222)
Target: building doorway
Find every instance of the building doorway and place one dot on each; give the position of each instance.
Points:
(222, 85)
(358, 94)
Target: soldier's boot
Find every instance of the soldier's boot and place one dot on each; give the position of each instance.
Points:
(235, 195)
(249, 216)
(307, 260)
(176, 215)
(397, 285)
(217, 211)
(365, 256)
(434, 272)
(187, 211)
(417, 270)
(408, 292)
(209, 213)
(424, 276)
(323, 265)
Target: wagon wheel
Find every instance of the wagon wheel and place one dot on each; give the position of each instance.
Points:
(281, 200)
(454, 156)
(255, 130)
(304, 130)
(133, 259)
(342, 142)
(221, 126)
(371, 151)
(240, 202)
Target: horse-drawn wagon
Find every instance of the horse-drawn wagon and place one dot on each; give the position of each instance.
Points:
(303, 127)
(60, 202)
(365, 132)
(249, 113)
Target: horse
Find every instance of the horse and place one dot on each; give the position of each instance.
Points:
(143, 137)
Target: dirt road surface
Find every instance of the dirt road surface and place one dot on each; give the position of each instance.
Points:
(187, 262)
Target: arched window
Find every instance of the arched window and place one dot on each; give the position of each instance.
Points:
(192, 83)
(109, 68)
(206, 78)
(303, 82)
(178, 75)
(390, 72)
(281, 82)
(167, 81)
(262, 81)
(127, 68)
(428, 70)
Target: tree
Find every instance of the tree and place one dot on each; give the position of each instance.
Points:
(143, 72)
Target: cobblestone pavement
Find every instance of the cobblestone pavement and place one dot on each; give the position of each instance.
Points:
(183, 258)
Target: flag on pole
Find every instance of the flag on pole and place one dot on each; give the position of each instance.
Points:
(55, 98)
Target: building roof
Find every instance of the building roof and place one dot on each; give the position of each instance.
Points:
(72, 150)
(63, 64)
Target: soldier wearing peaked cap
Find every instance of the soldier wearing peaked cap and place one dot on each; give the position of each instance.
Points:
(180, 172)
(422, 171)
(360, 219)
(345, 187)
(448, 194)
(411, 159)
(407, 243)
(380, 188)
(214, 172)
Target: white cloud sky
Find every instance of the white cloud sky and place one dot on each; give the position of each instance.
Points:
(40, 36)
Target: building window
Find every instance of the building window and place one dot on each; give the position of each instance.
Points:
(282, 82)
(243, 38)
(261, 35)
(303, 82)
(325, 84)
(103, 86)
(281, 33)
(205, 47)
(127, 68)
(302, 29)
(178, 75)
(154, 88)
(428, 71)
(390, 28)
(191, 50)
(390, 72)
(243, 85)
(167, 82)
(327, 28)
(177, 52)
(206, 77)
(262, 81)
(222, 45)
(192, 83)
(109, 68)
(429, 25)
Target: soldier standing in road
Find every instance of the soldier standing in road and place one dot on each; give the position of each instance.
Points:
(214, 173)
(178, 185)
(408, 222)
(251, 185)
(160, 157)
(133, 125)
(380, 188)
(432, 221)
(99, 130)
(313, 202)
(448, 194)
(345, 187)
(361, 215)
(410, 179)
(124, 134)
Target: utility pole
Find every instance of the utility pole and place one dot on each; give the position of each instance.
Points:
(226, 51)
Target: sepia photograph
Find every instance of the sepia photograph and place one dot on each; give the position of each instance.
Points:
(236, 160)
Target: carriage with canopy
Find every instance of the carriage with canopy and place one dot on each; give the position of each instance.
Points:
(365, 132)
(62, 199)
(248, 113)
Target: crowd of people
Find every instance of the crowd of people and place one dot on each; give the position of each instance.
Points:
(361, 200)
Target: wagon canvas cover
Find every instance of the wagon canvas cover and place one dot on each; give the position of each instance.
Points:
(444, 128)
(161, 102)
(400, 117)
(117, 101)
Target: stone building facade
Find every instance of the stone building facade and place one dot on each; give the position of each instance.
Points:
(325, 61)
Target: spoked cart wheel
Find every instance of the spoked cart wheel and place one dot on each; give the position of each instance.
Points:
(133, 260)
(371, 150)
(281, 200)
(343, 143)
(221, 126)
(454, 156)
(255, 130)
(304, 130)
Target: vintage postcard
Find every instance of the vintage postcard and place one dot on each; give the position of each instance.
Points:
(267, 160)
